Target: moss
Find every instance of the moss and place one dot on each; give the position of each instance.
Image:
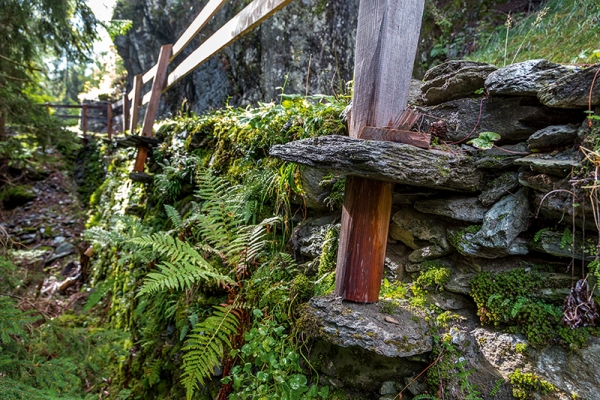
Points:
(16, 196)
(525, 385)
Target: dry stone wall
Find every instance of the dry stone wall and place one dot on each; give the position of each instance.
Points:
(474, 210)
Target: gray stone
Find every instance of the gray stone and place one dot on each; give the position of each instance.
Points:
(307, 238)
(387, 161)
(572, 91)
(465, 243)
(462, 208)
(428, 253)
(389, 387)
(449, 301)
(454, 79)
(542, 182)
(359, 369)
(558, 206)
(559, 164)
(513, 118)
(314, 193)
(496, 189)
(350, 324)
(65, 248)
(504, 221)
(500, 157)
(550, 242)
(525, 78)
(553, 136)
(418, 230)
(58, 240)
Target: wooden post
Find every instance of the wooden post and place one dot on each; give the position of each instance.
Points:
(386, 44)
(109, 120)
(135, 103)
(85, 119)
(157, 86)
(125, 111)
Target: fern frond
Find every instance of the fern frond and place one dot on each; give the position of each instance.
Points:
(103, 237)
(184, 268)
(206, 346)
(174, 216)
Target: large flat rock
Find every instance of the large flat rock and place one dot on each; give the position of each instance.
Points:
(573, 91)
(401, 334)
(386, 161)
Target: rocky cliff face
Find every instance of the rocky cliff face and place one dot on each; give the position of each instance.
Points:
(308, 45)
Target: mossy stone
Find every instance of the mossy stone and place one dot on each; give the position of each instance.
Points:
(16, 196)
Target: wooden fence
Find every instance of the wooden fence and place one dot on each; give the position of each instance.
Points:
(114, 122)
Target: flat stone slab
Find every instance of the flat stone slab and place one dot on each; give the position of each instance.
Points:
(553, 136)
(401, 334)
(454, 80)
(386, 161)
(558, 165)
(462, 208)
(525, 78)
(573, 91)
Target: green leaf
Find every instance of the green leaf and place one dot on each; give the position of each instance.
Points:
(485, 141)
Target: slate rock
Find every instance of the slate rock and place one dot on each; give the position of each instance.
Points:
(542, 182)
(65, 247)
(315, 194)
(308, 237)
(58, 240)
(461, 208)
(386, 161)
(573, 90)
(418, 230)
(504, 222)
(559, 164)
(454, 79)
(558, 207)
(552, 243)
(501, 157)
(513, 118)
(350, 324)
(465, 244)
(449, 301)
(499, 187)
(525, 78)
(553, 136)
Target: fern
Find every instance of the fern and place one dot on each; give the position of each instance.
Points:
(206, 346)
(12, 320)
(174, 216)
(185, 266)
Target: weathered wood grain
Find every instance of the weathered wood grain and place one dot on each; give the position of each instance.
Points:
(196, 26)
(386, 44)
(135, 102)
(109, 121)
(252, 15)
(395, 135)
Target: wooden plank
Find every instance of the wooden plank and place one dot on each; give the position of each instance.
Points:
(252, 15)
(395, 135)
(85, 119)
(365, 223)
(150, 74)
(196, 26)
(109, 121)
(125, 112)
(157, 87)
(386, 44)
(135, 102)
(117, 104)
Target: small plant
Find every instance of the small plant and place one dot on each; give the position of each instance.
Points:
(485, 141)
(526, 384)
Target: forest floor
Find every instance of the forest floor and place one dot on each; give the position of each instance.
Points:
(46, 233)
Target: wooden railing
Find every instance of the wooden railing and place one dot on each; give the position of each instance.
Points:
(247, 19)
(114, 122)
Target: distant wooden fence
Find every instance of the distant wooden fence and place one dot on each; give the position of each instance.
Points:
(114, 122)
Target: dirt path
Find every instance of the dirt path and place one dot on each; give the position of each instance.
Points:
(46, 233)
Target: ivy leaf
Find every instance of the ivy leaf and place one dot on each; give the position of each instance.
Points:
(485, 141)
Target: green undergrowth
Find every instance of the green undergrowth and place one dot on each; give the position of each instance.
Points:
(195, 265)
(561, 31)
(511, 299)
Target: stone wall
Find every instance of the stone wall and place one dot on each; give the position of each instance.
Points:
(515, 205)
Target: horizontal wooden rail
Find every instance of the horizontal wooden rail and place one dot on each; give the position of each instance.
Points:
(89, 106)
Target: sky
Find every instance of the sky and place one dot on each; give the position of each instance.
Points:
(103, 10)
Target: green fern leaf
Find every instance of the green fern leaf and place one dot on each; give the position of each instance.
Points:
(174, 216)
(206, 346)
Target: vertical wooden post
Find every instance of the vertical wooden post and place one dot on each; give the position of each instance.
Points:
(135, 103)
(85, 119)
(109, 120)
(386, 44)
(125, 111)
(157, 86)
